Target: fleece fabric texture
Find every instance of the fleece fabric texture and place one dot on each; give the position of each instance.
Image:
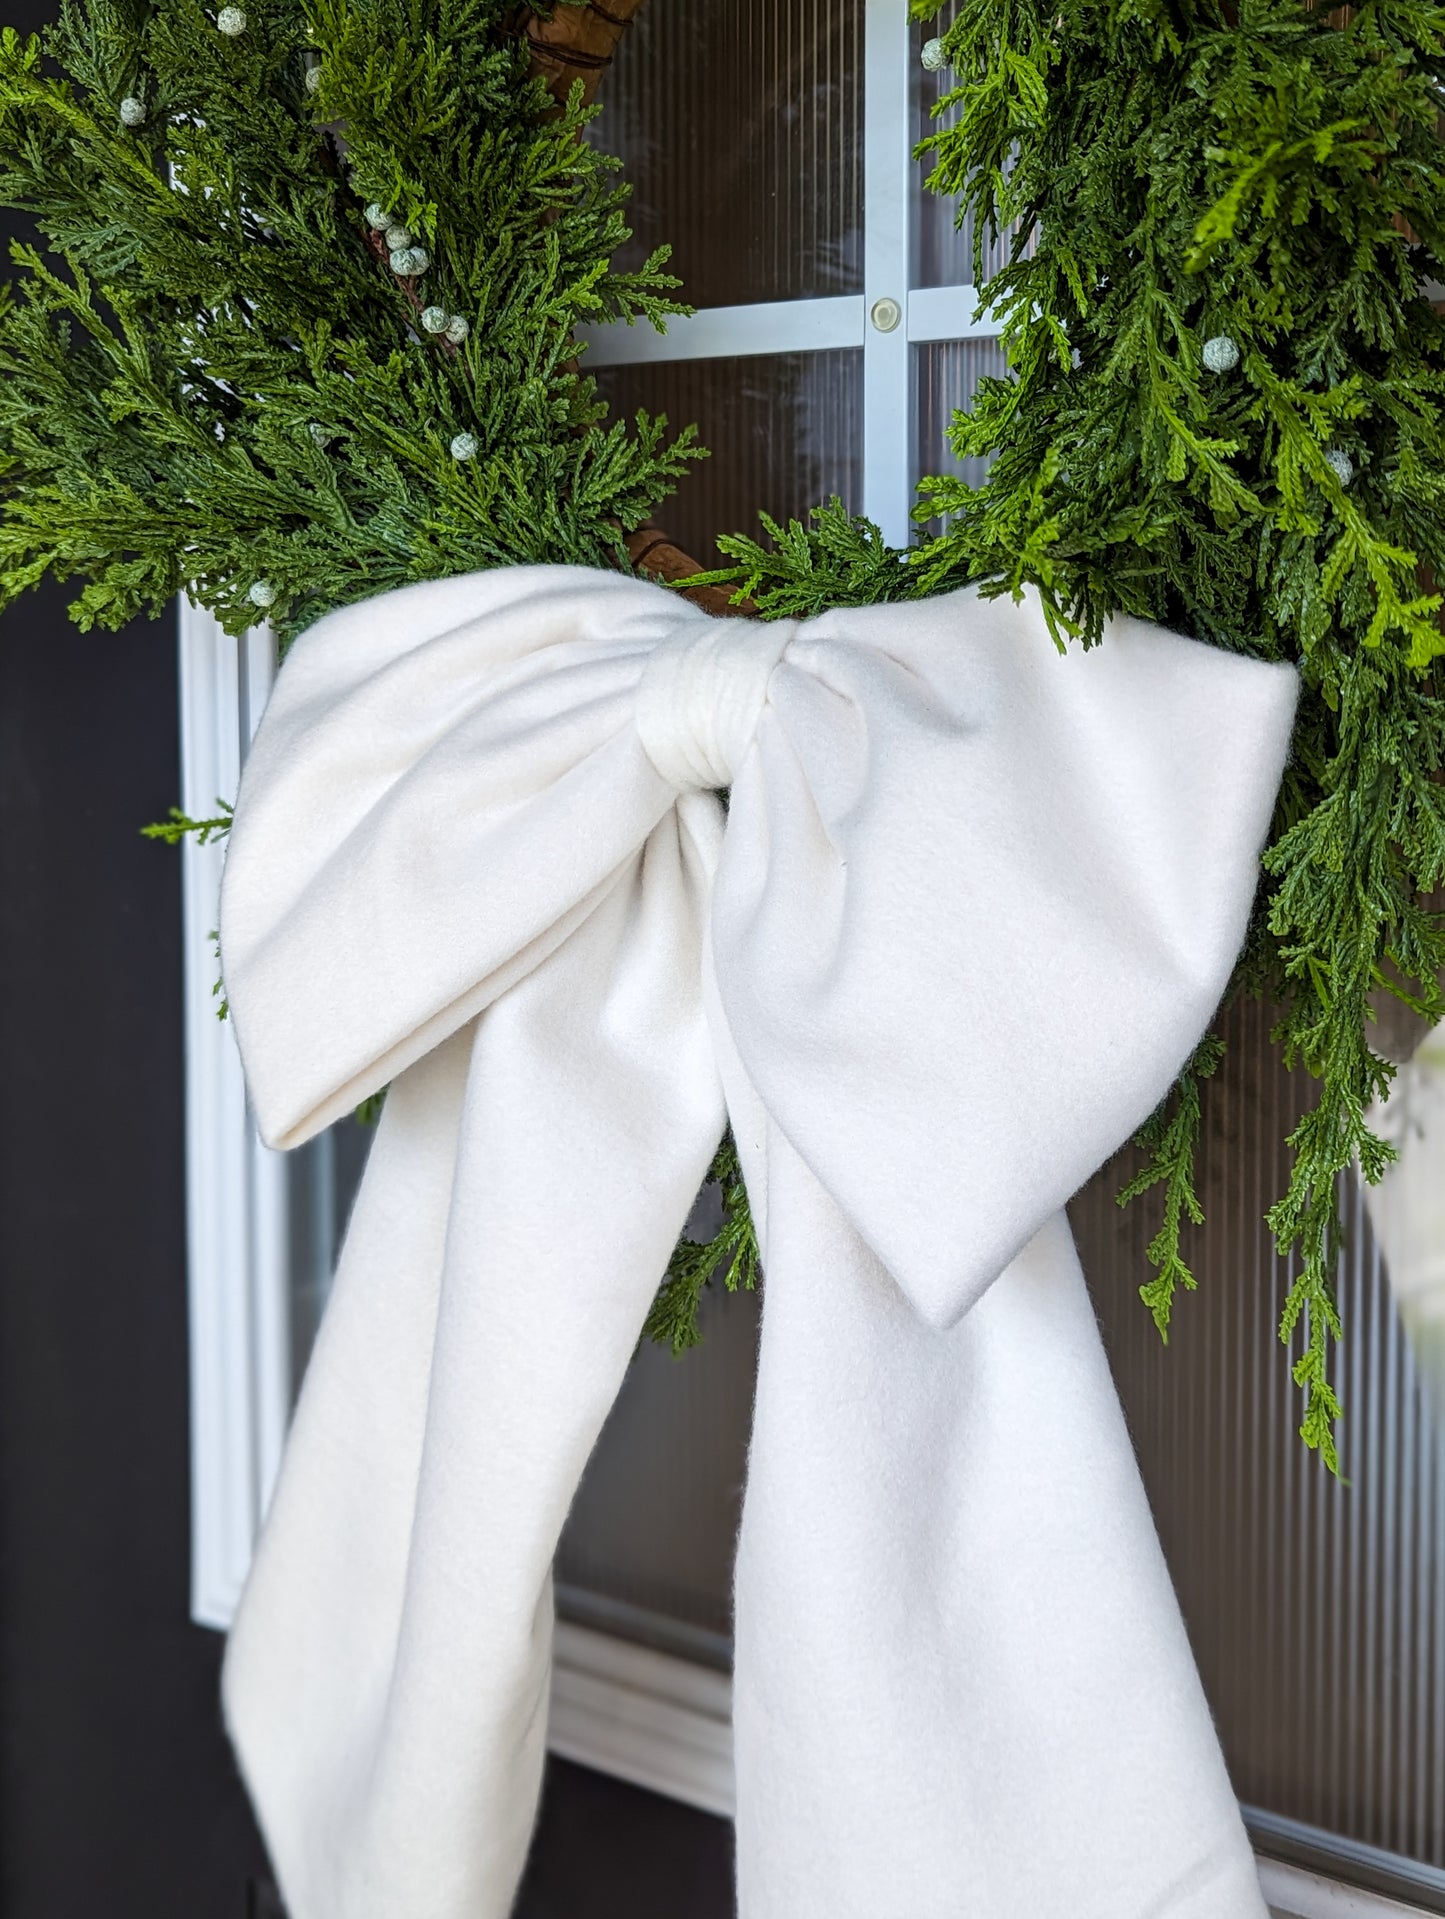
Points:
(970, 908)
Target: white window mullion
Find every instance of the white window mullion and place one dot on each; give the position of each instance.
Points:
(724, 333)
(223, 1490)
(235, 1190)
(887, 215)
(270, 1319)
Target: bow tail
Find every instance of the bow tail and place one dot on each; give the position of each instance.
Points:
(962, 1679)
(387, 1679)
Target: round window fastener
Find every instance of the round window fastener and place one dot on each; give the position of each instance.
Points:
(885, 314)
(932, 56)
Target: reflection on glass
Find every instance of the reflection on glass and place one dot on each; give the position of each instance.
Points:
(1407, 1208)
(784, 430)
(740, 123)
(322, 1178)
(1316, 1607)
(946, 377)
(648, 1550)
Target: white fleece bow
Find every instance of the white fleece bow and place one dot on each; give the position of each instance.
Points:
(970, 909)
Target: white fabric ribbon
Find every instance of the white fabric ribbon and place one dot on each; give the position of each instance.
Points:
(970, 909)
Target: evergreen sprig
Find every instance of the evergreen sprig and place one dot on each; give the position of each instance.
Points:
(1170, 1137)
(211, 381)
(731, 1253)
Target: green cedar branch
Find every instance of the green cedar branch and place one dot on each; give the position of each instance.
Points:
(731, 1253)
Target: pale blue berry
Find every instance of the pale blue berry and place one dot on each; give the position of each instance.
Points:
(1340, 464)
(933, 56)
(232, 22)
(464, 446)
(1221, 354)
(434, 319)
(132, 111)
(457, 329)
(262, 593)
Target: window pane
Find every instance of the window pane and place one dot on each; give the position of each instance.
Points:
(946, 377)
(943, 252)
(322, 1178)
(1316, 1607)
(740, 122)
(648, 1550)
(785, 433)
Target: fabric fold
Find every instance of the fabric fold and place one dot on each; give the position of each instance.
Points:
(970, 908)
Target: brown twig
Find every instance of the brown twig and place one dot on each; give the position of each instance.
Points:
(575, 43)
(652, 551)
(407, 287)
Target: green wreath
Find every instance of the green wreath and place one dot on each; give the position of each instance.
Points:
(301, 329)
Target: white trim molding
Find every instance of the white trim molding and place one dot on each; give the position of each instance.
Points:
(666, 1724)
(236, 1228)
(1294, 1893)
(643, 1716)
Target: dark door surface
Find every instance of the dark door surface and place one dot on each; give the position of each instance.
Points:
(117, 1791)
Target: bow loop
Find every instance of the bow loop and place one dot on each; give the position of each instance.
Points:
(976, 905)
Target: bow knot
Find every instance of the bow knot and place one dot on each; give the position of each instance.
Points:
(701, 696)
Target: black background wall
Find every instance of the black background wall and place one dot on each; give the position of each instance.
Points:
(117, 1793)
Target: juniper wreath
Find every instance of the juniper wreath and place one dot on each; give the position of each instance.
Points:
(298, 326)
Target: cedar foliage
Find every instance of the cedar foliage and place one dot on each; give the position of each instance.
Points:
(210, 378)
(1174, 172)
(213, 382)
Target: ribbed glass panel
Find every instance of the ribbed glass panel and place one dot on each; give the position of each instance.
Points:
(648, 1548)
(740, 122)
(322, 1177)
(943, 250)
(1316, 1607)
(946, 377)
(784, 430)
